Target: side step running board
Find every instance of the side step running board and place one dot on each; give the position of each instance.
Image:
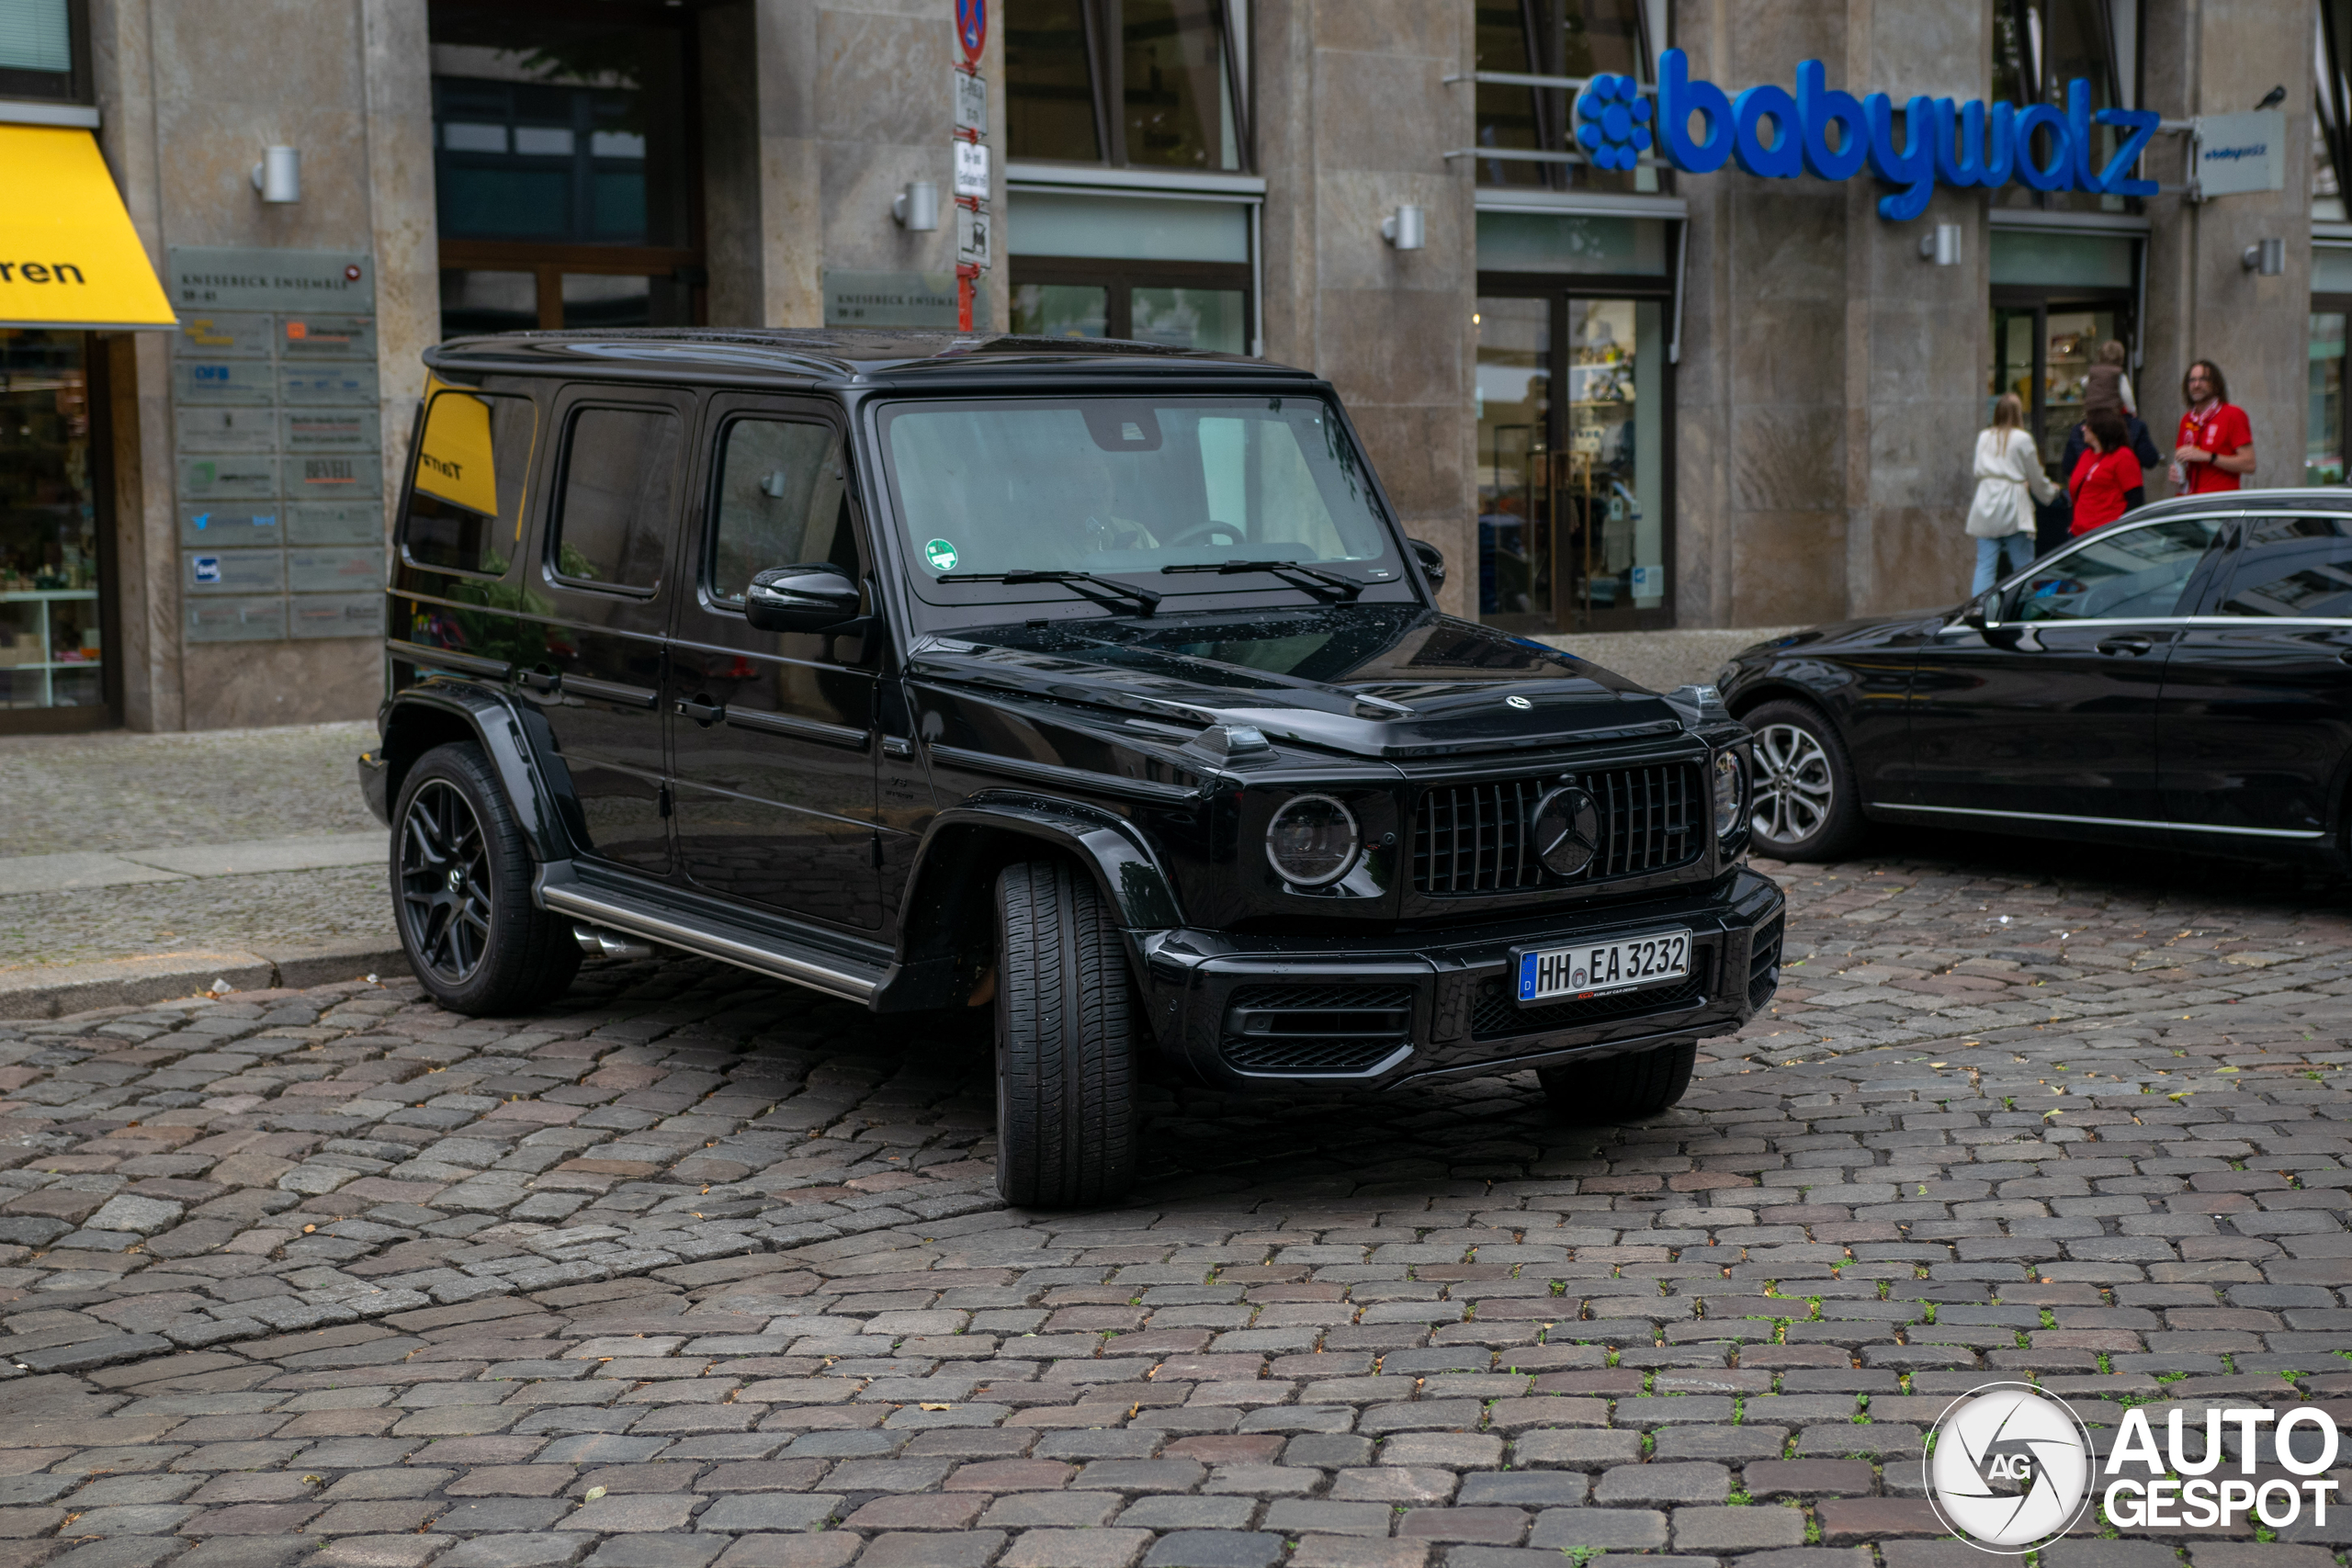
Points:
(563, 889)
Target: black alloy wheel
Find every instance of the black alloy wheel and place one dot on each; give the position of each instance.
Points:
(461, 892)
(445, 883)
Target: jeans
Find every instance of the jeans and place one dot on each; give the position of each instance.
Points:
(1989, 566)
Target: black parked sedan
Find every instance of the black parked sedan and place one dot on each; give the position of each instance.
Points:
(2178, 679)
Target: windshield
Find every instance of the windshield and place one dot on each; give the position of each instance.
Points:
(1131, 487)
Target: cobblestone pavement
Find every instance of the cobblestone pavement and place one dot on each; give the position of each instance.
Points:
(691, 1268)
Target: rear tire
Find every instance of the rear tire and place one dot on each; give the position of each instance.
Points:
(1620, 1088)
(1805, 806)
(1066, 1020)
(461, 892)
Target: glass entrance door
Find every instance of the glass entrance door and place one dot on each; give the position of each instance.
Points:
(2041, 352)
(1571, 462)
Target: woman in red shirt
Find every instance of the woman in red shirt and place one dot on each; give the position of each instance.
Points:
(2107, 481)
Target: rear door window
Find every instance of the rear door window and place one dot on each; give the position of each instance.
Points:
(468, 492)
(617, 498)
(2292, 568)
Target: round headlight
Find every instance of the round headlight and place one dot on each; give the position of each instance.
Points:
(1312, 841)
(1729, 779)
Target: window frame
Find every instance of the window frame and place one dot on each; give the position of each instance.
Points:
(522, 503)
(2224, 582)
(723, 419)
(1552, 110)
(559, 494)
(1122, 279)
(1106, 81)
(79, 85)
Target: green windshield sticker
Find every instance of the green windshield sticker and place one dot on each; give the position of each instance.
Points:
(941, 555)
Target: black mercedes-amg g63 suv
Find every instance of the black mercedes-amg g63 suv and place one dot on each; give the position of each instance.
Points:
(1091, 682)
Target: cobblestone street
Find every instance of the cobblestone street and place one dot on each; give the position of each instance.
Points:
(694, 1269)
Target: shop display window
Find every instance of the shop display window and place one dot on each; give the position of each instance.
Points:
(2323, 431)
(1141, 83)
(52, 649)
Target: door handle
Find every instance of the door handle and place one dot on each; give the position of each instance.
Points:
(2132, 644)
(896, 746)
(701, 711)
(538, 680)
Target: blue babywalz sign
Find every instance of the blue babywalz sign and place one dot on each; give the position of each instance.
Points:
(1773, 134)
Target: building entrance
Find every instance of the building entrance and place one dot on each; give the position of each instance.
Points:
(2041, 351)
(1571, 413)
(53, 671)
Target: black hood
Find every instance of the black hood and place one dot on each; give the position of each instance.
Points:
(1391, 681)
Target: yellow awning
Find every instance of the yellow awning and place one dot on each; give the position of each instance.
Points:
(68, 255)
(454, 459)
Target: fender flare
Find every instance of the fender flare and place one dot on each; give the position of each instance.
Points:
(518, 741)
(961, 847)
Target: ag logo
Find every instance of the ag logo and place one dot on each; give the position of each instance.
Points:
(1518, 701)
(2009, 1467)
(941, 555)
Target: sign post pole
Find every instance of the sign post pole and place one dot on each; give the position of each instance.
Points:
(971, 155)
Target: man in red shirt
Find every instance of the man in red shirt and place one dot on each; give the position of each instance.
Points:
(2216, 441)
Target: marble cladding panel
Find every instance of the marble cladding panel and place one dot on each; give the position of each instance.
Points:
(1787, 456)
(1920, 558)
(236, 685)
(270, 55)
(1787, 568)
(1397, 28)
(882, 77)
(1372, 111)
(1420, 457)
(857, 183)
(1351, 255)
(1395, 347)
(1938, 47)
(1768, 36)
(210, 148)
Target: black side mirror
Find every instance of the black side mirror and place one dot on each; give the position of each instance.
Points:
(1432, 561)
(813, 597)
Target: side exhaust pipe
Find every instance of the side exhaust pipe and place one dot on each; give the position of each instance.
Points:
(599, 942)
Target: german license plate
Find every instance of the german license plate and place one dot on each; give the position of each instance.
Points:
(1549, 974)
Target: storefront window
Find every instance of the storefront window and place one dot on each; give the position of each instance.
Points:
(44, 51)
(2332, 117)
(2324, 428)
(2042, 353)
(51, 653)
(1571, 525)
(556, 140)
(1146, 84)
(1574, 39)
(1161, 270)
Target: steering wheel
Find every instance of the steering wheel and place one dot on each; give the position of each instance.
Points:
(1199, 534)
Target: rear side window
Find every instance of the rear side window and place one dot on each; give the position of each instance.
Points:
(782, 500)
(618, 493)
(465, 499)
(2298, 567)
(2122, 574)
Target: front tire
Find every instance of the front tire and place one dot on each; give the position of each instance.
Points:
(1620, 1088)
(1805, 805)
(1065, 1019)
(461, 892)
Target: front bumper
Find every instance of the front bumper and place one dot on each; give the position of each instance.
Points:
(1428, 1006)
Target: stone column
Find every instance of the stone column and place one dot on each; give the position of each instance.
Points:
(1353, 119)
(760, 164)
(2221, 57)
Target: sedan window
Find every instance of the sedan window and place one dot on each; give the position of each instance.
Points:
(2129, 574)
(2297, 567)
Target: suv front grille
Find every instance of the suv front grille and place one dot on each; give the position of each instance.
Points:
(1316, 1031)
(1494, 1015)
(1474, 837)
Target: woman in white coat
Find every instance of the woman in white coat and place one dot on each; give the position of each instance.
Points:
(2008, 482)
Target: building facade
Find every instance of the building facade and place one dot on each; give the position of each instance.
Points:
(1618, 393)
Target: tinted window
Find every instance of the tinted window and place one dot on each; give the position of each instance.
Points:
(465, 509)
(2293, 566)
(619, 488)
(781, 500)
(2126, 574)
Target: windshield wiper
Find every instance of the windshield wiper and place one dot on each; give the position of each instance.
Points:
(1103, 590)
(1330, 586)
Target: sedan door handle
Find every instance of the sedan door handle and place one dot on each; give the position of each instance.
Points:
(701, 711)
(2132, 644)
